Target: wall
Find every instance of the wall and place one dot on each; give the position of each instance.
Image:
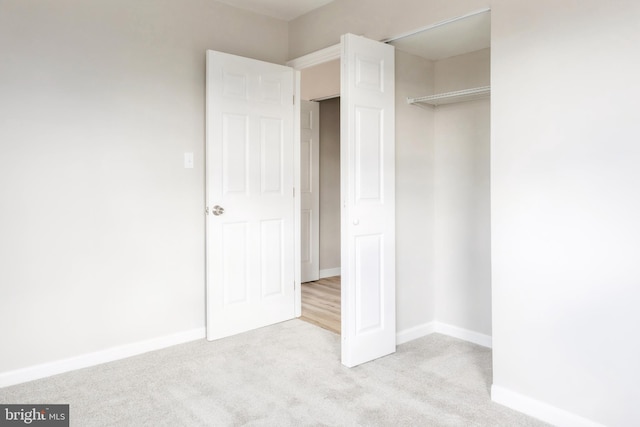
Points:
(415, 258)
(320, 81)
(565, 209)
(462, 196)
(330, 184)
(102, 228)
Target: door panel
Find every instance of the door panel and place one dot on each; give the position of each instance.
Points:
(250, 174)
(310, 191)
(368, 200)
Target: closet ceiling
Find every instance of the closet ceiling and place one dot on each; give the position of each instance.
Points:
(449, 39)
(281, 9)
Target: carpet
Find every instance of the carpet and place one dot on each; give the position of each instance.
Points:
(287, 374)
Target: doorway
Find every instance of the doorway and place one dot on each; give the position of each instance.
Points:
(321, 295)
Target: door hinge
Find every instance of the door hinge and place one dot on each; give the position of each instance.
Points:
(294, 100)
(294, 192)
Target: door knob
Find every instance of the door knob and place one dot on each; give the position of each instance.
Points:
(217, 210)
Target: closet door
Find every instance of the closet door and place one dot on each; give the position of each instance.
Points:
(368, 200)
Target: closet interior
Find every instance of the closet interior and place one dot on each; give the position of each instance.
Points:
(443, 113)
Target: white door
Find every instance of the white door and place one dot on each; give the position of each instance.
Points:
(310, 190)
(250, 183)
(368, 200)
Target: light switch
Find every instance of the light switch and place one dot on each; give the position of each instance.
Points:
(188, 160)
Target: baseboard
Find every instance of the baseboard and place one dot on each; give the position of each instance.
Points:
(329, 272)
(415, 333)
(444, 329)
(540, 410)
(463, 334)
(91, 359)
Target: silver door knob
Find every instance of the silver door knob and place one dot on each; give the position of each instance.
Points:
(217, 210)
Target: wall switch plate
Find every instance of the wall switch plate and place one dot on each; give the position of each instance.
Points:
(188, 160)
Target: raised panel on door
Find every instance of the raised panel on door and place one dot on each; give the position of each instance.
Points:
(235, 274)
(368, 200)
(272, 246)
(272, 150)
(368, 284)
(235, 148)
(369, 173)
(250, 176)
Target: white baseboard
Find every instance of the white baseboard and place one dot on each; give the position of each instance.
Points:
(329, 272)
(91, 359)
(463, 334)
(415, 333)
(540, 410)
(444, 329)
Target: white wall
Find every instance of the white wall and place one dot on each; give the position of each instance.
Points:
(415, 288)
(462, 197)
(320, 81)
(330, 184)
(565, 208)
(102, 231)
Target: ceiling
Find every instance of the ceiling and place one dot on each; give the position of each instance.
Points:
(281, 9)
(450, 38)
(438, 41)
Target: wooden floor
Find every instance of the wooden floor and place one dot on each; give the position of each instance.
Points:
(321, 303)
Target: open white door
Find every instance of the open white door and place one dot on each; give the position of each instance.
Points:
(368, 200)
(250, 181)
(310, 190)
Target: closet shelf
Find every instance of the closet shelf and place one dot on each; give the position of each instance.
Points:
(451, 97)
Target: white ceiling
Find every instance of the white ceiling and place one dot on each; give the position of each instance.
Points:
(449, 39)
(281, 9)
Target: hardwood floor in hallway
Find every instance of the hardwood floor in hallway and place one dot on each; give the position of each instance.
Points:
(321, 303)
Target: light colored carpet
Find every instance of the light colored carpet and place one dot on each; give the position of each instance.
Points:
(283, 375)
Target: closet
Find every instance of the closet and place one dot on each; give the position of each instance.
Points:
(443, 90)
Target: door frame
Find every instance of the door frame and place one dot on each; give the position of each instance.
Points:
(321, 56)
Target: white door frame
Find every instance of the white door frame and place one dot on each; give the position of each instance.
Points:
(316, 58)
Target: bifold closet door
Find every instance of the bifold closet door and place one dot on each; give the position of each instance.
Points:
(368, 200)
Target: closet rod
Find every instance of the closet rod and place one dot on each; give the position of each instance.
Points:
(436, 25)
(450, 97)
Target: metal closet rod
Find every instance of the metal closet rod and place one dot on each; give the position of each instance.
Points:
(436, 25)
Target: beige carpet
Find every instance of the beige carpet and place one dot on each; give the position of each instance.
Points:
(283, 375)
